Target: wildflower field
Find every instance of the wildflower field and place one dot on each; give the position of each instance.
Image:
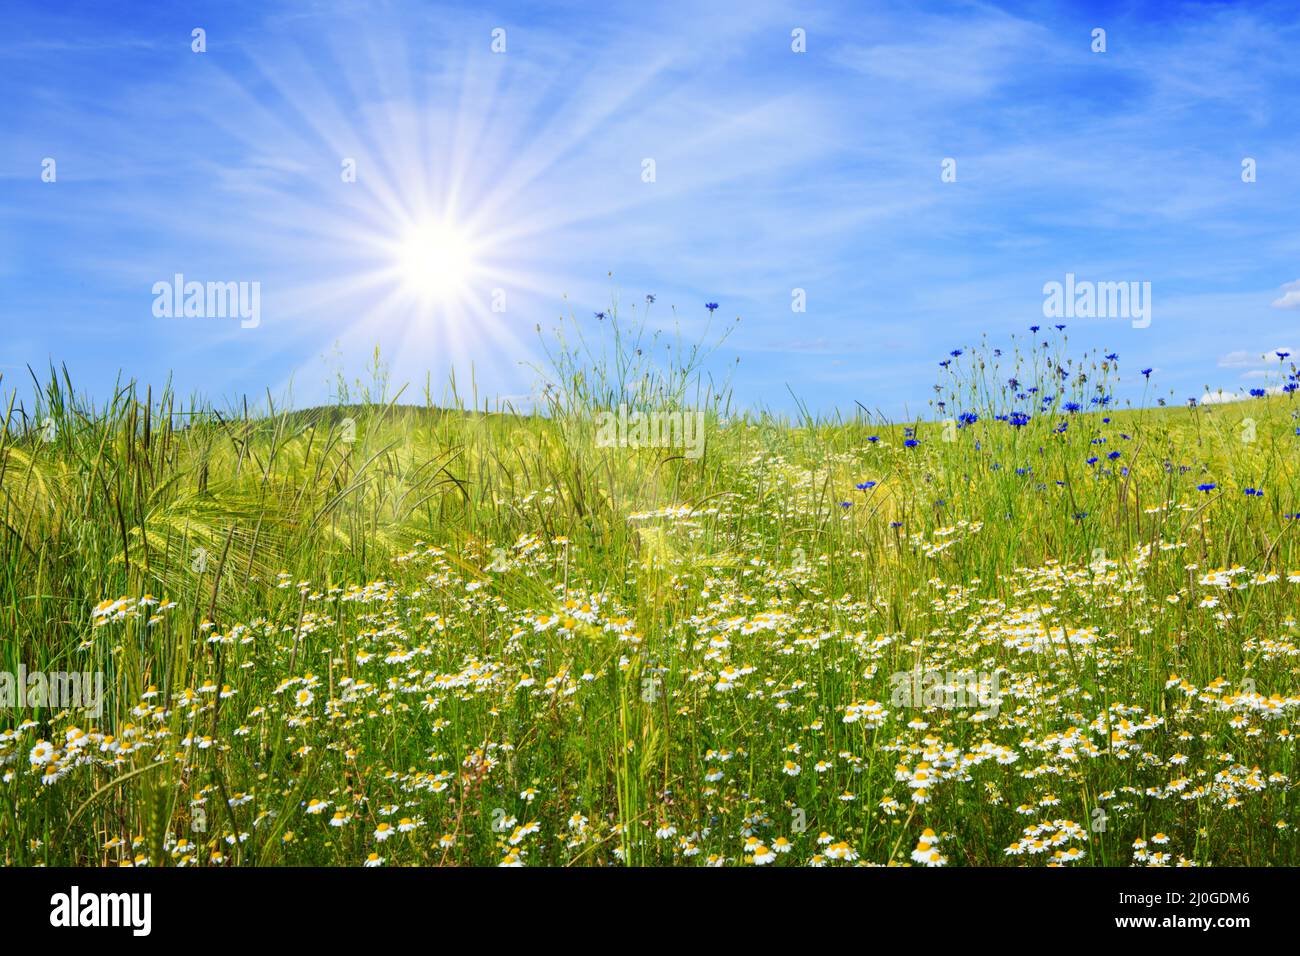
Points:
(1034, 626)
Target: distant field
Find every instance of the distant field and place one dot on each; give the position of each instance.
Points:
(1030, 629)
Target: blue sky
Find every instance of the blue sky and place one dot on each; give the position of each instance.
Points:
(774, 171)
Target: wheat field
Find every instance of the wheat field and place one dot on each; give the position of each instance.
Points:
(1033, 626)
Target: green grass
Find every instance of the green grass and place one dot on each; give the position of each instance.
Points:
(501, 624)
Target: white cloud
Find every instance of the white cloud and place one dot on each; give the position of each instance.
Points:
(1260, 361)
(962, 57)
(1238, 359)
(1290, 298)
(1223, 396)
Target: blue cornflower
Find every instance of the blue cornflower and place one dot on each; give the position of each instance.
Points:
(711, 306)
(911, 443)
(1208, 486)
(1147, 372)
(866, 486)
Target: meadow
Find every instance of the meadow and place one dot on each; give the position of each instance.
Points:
(1030, 627)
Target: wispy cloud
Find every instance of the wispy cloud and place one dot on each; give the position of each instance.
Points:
(1290, 298)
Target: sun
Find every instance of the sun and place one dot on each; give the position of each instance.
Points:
(435, 261)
